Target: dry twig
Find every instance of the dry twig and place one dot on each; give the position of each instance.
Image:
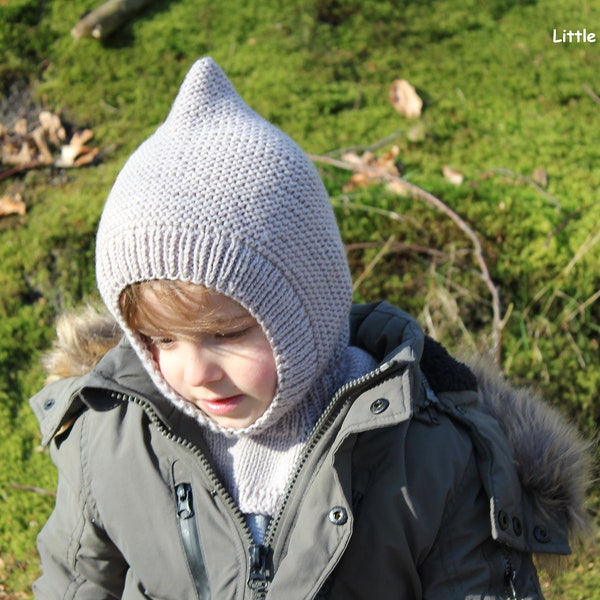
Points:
(371, 266)
(588, 90)
(105, 19)
(530, 181)
(32, 488)
(403, 187)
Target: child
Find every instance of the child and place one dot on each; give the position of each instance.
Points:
(253, 435)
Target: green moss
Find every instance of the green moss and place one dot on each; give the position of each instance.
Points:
(501, 100)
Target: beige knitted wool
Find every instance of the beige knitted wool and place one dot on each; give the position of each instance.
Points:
(220, 197)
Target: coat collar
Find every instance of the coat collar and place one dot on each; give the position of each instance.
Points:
(119, 371)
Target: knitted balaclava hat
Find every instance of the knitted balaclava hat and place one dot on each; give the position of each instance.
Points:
(220, 197)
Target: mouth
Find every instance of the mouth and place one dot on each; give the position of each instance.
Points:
(222, 406)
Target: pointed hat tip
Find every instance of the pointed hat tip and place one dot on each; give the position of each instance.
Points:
(205, 93)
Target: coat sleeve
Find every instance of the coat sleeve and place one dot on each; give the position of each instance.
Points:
(464, 558)
(78, 559)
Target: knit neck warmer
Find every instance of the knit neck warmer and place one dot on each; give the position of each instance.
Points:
(256, 468)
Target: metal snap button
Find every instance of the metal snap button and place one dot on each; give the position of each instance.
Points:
(541, 535)
(517, 527)
(49, 403)
(338, 515)
(503, 520)
(379, 405)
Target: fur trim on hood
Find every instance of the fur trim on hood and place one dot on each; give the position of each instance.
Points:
(82, 338)
(553, 459)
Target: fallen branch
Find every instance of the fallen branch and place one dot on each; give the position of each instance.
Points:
(588, 90)
(528, 180)
(403, 187)
(398, 247)
(369, 268)
(32, 488)
(34, 164)
(105, 19)
(371, 148)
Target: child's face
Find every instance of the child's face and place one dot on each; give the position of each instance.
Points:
(226, 369)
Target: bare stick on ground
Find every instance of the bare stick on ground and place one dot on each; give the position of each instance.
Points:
(105, 19)
(403, 187)
(32, 488)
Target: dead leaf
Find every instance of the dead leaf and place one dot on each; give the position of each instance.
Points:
(20, 127)
(11, 204)
(75, 148)
(399, 187)
(405, 99)
(30, 150)
(39, 139)
(370, 168)
(24, 157)
(9, 153)
(353, 158)
(540, 176)
(452, 175)
(86, 156)
(53, 128)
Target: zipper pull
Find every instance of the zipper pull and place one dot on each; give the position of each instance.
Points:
(258, 580)
(185, 508)
(191, 539)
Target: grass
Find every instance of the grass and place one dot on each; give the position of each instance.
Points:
(501, 101)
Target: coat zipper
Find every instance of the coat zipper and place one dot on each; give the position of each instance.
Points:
(340, 399)
(191, 538)
(259, 576)
(258, 554)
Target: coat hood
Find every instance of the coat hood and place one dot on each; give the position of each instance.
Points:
(553, 459)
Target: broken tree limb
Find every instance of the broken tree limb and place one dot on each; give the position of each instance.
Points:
(32, 488)
(21, 168)
(403, 187)
(105, 19)
(590, 92)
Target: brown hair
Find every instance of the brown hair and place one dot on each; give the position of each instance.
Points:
(171, 306)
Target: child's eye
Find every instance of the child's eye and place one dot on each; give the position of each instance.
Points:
(231, 335)
(160, 341)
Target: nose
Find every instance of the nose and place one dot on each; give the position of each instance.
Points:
(201, 366)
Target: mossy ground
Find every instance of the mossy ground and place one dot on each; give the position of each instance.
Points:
(501, 100)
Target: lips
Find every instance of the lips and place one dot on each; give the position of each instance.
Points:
(222, 406)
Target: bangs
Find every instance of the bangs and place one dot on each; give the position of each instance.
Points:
(175, 307)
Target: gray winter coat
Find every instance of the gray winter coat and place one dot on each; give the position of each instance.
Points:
(407, 489)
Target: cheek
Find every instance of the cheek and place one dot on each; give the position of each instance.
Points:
(270, 377)
(262, 373)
